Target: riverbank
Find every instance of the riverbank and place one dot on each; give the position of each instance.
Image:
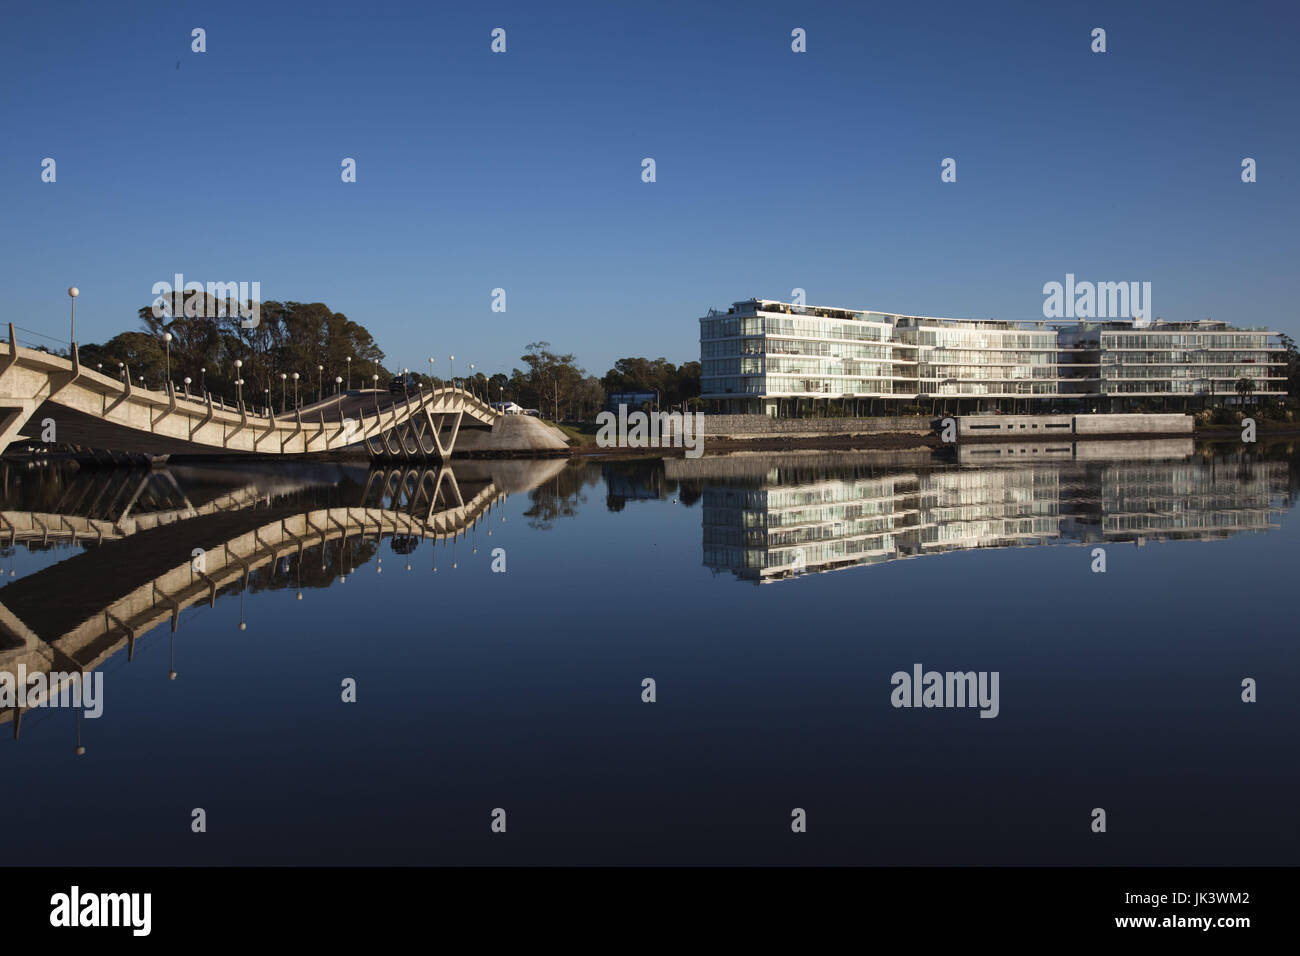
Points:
(585, 447)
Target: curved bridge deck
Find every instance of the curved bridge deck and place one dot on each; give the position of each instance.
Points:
(97, 411)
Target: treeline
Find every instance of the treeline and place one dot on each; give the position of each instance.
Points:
(559, 388)
(307, 338)
(316, 342)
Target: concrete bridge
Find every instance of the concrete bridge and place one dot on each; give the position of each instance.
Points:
(102, 412)
(72, 617)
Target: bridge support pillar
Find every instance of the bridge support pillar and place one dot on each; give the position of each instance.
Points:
(14, 413)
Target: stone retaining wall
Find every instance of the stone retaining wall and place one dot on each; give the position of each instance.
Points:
(764, 426)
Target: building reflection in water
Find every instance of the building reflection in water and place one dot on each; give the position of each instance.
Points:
(123, 542)
(771, 519)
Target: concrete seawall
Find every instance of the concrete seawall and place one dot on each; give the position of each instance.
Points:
(994, 427)
(764, 426)
(1038, 427)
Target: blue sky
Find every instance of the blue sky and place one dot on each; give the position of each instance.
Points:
(775, 170)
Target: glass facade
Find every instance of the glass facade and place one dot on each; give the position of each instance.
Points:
(1205, 359)
(769, 349)
(761, 350)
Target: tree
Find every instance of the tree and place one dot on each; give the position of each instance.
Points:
(208, 337)
(551, 377)
(1245, 388)
(1292, 359)
(588, 397)
(140, 353)
(674, 385)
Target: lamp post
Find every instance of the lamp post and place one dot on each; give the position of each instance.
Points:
(167, 341)
(267, 392)
(203, 379)
(338, 382)
(406, 382)
(73, 292)
(187, 386)
(452, 360)
(284, 383)
(349, 373)
(471, 380)
(432, 385)
(239, 382)
(295, 390)
(320, 370)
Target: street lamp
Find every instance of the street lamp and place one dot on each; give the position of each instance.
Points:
(471, 379)
(187, 386)
(349, 373)
(295, 390)
(320, 370)
(284, 383)
(452, 360)
(431, 382)
(338, 381)
(167, 341)
(203, 379)
(406, 382)
(239, 382)
(73, 292)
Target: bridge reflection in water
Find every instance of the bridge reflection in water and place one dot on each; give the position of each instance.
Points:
(773, 518)
(157, 542)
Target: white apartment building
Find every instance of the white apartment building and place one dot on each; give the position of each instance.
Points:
(762, 356)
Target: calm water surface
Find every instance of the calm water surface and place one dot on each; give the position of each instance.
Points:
(770, 598)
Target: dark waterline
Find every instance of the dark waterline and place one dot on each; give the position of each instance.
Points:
(770, 598)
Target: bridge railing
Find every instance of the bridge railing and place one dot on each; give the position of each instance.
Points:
(174, 404)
